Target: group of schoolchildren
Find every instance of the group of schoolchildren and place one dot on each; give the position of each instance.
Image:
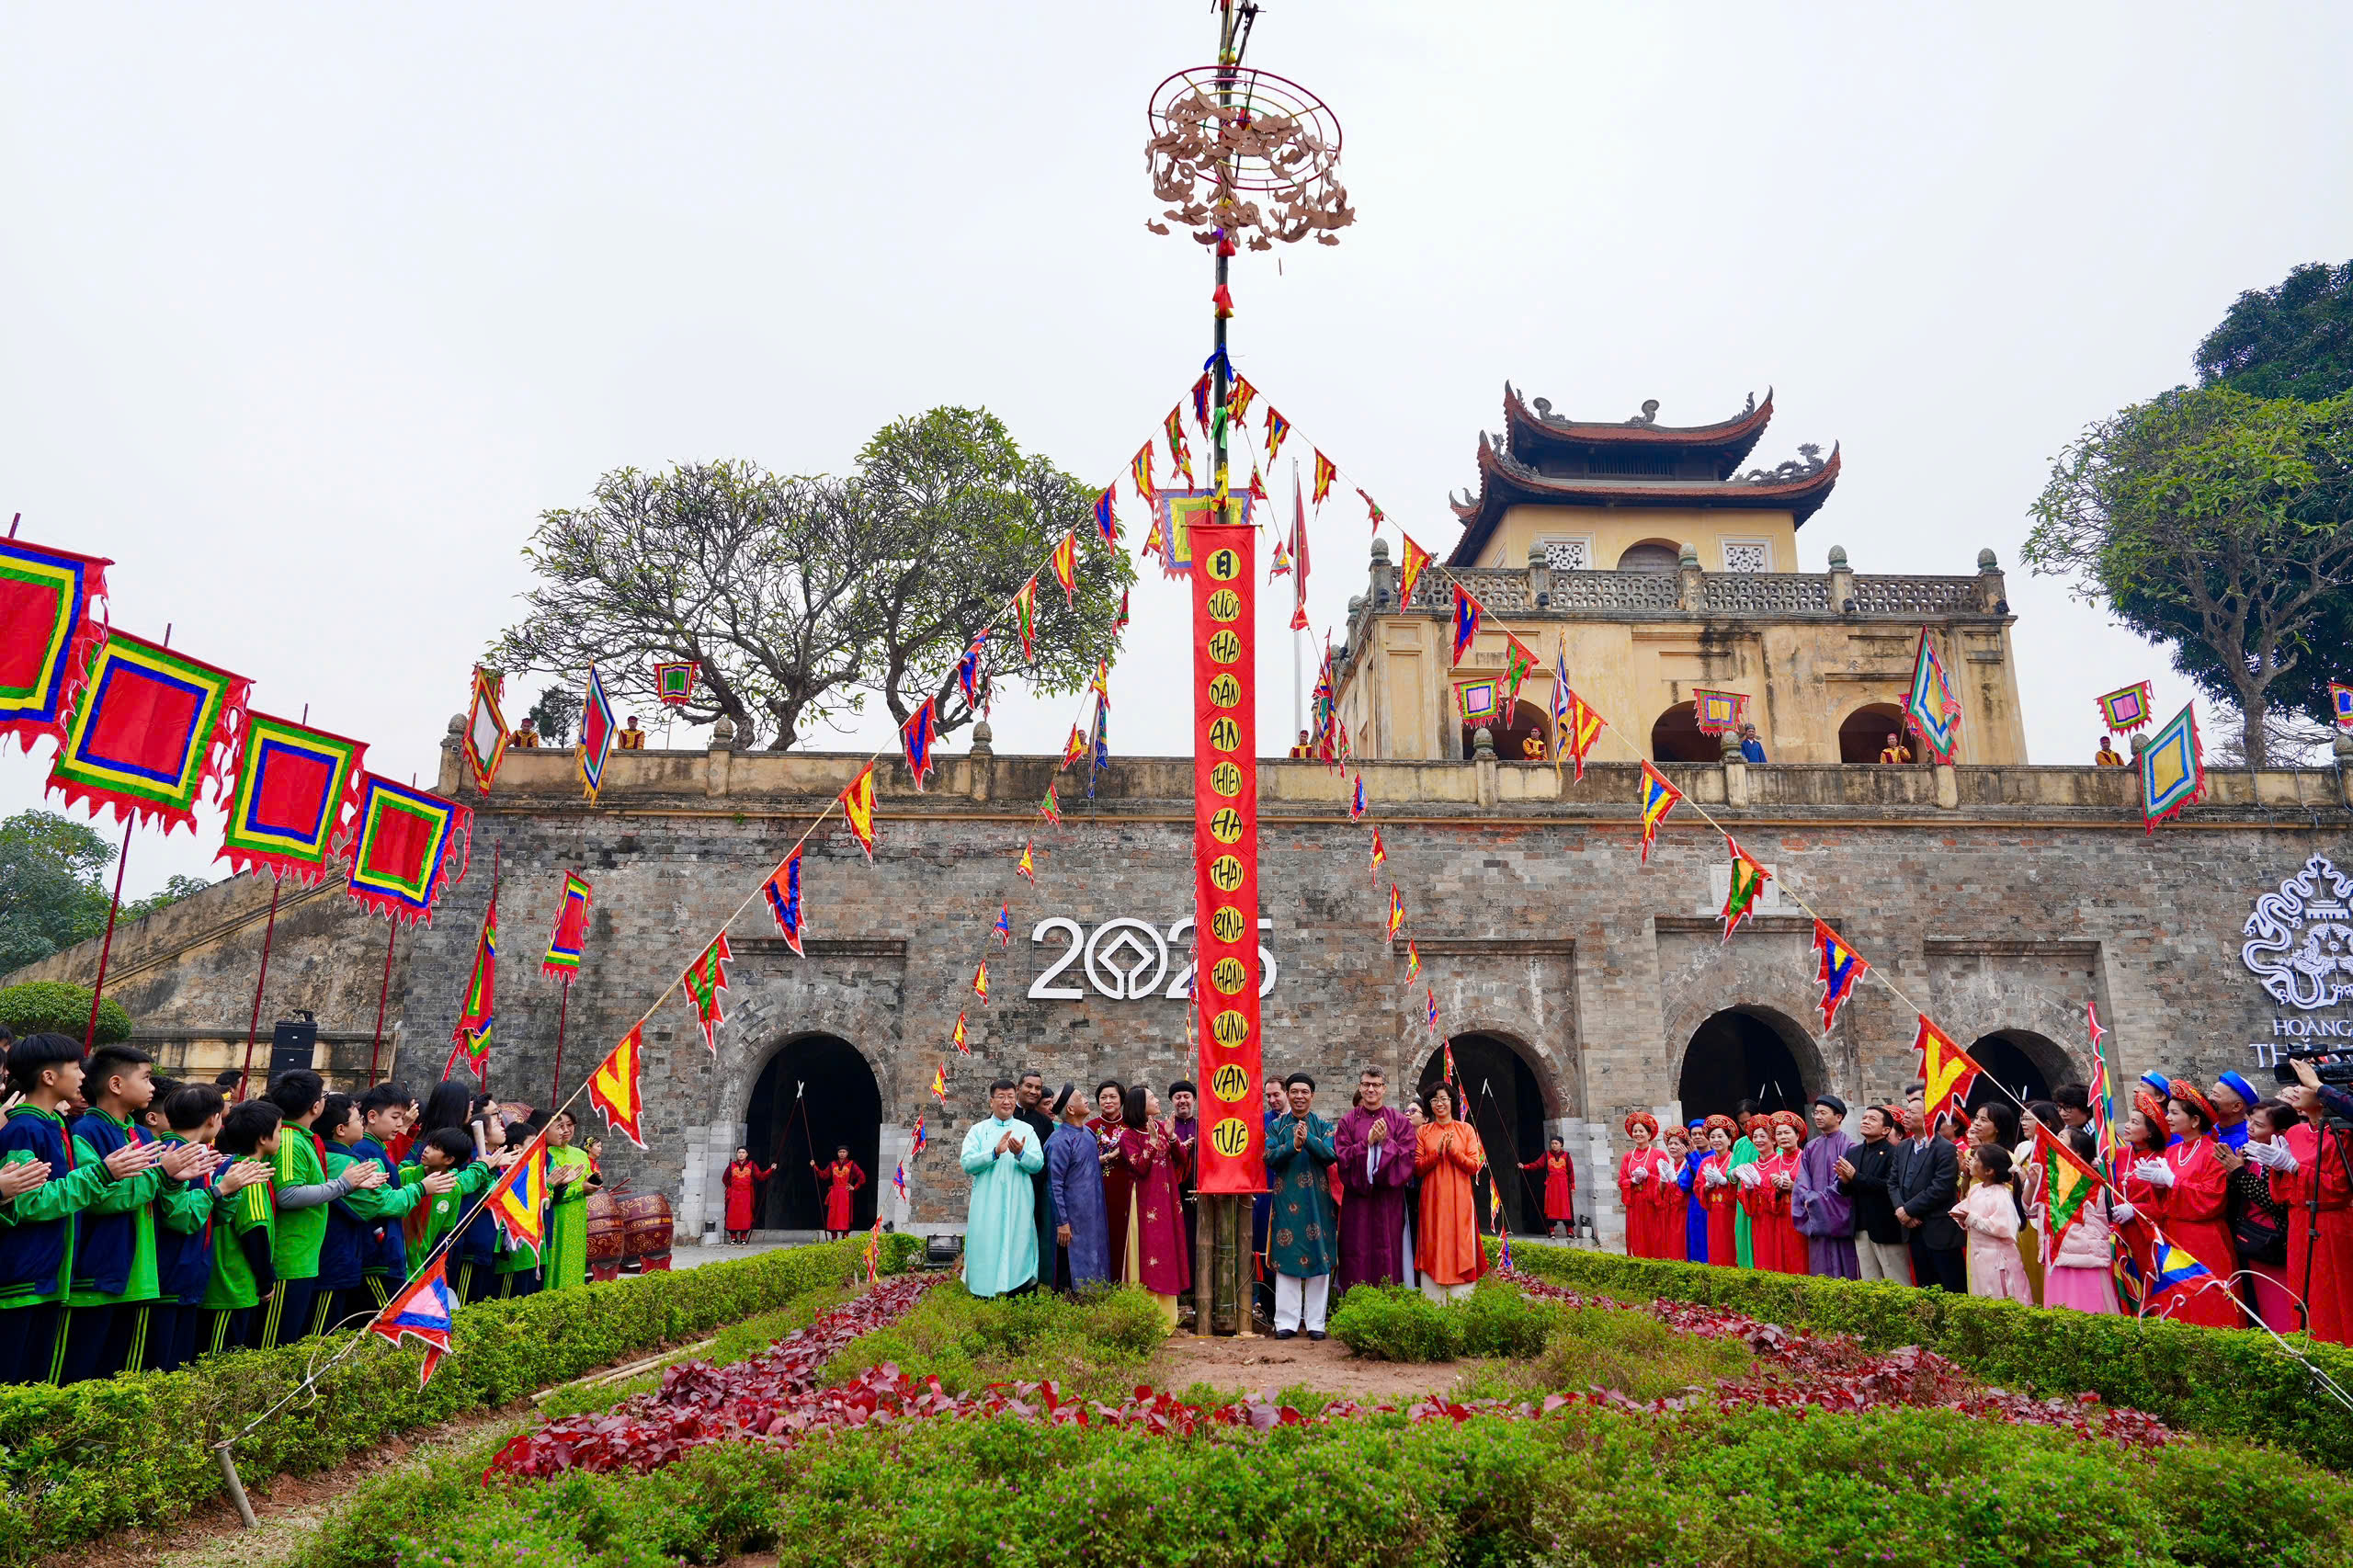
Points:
(144, 1223)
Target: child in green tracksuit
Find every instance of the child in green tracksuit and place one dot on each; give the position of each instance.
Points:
(302, 1192)
(115, 1284)
(38, 1223)
(448, 1153)
(244, 1270)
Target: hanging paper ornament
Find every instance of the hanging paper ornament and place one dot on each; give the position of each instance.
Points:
(1748, 880)
(1410, 572)
(916, 736)
(783, 890)
(858, 809)
(704, 979)
(1838, 968)
(614, 1088)
(1657, 799)
(1224, 299)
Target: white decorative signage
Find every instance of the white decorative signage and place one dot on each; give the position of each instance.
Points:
(2299, 944)
(1126, 960)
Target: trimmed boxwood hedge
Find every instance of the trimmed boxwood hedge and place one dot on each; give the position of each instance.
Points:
(136, 1451)
(2218, 1383)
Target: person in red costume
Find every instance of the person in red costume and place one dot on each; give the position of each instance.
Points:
(743, 1183)
(1560, 1186)
(1639, 1174)
(841, 1178)
(2190, 1198)
(1774, 1240)
(2309, 1155)
(1718, 1192)
(1672, 1199)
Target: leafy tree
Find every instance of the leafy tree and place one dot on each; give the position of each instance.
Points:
(2293, 340)
(553, 713)
(174, 890)
(950, 487)
(51, 895)
(801, 597)
(2215, 522)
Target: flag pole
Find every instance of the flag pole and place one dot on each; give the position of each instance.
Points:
(555, 1080)
(253, 1025)
(1299, 594)
(383, 995)
(105, 949)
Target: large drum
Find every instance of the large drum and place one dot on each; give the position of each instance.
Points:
(607, 1240)
(645, 1230)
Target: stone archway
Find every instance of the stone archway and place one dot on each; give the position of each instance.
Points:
(1503, 1099)
(1862, 735)
(1676, 737)
(1748, 1052)
(813, 1094)
(1511, 736)
(2027, 1064)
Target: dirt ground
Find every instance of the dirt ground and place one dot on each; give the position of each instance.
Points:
(1266, 1365)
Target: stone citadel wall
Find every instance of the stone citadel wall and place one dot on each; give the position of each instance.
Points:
(2001, 900)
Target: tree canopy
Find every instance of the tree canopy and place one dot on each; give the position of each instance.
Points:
(2216, 522)
(52, 888)
(2295, 339)
(802, 596)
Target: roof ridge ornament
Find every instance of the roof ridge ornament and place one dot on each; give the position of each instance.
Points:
(1649, 415)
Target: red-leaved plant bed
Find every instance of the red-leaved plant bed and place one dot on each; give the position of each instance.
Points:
(776, 1397)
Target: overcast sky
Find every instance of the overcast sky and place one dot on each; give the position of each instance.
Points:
(312, 310)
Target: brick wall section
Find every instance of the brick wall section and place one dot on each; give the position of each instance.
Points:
(1537, 924)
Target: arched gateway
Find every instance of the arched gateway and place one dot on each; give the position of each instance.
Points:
(1749, 1052)
(815, 1093)
(1504, 1101)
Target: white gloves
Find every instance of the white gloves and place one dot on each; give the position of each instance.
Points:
(1640, 1175)
(2123, 1214)
(1749, 1175)
(1715, 1176)
(2157, 1172)
(2274, 1156)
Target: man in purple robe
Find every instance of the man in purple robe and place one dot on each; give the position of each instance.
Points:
(1183, 1100)
(1376, 1148)
(1822, 1208)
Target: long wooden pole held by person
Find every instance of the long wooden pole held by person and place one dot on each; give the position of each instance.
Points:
(252, 1025)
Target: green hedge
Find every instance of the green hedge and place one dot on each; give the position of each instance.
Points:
(1585, 1486)
(135, 1450)
(2218, 1383)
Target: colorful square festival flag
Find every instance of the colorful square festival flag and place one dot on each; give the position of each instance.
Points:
(704, 979)
(2173, 770)
(597, 733)
(1839, 968)
(290, 805)
(2126, 708)
(1719, 712)
(783, 890)
(614, 1087)
(674, 682)
(401, 849)
(569, 942)
(1930, 709)
(1658, 797)
(47, 634)
(147, 732)
(1481, 702)
(486, 732)
(2340, 703)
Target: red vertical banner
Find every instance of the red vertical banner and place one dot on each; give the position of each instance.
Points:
(1225, 857)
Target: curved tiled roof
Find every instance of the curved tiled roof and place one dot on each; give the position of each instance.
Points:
(1727, 441)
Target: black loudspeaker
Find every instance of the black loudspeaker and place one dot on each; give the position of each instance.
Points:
(292, 1043)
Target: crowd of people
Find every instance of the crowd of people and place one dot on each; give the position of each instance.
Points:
(145, 1223)
(2256, 1189)
(1069, 1190)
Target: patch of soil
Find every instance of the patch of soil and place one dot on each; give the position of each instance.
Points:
(1265, 1365)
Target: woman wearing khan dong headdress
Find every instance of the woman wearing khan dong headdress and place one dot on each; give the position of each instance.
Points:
(1715, 1188)
(1773, 1231)
(2189, 1200)
(1640, 1175)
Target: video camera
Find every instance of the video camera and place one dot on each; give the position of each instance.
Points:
(2334, 1067)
